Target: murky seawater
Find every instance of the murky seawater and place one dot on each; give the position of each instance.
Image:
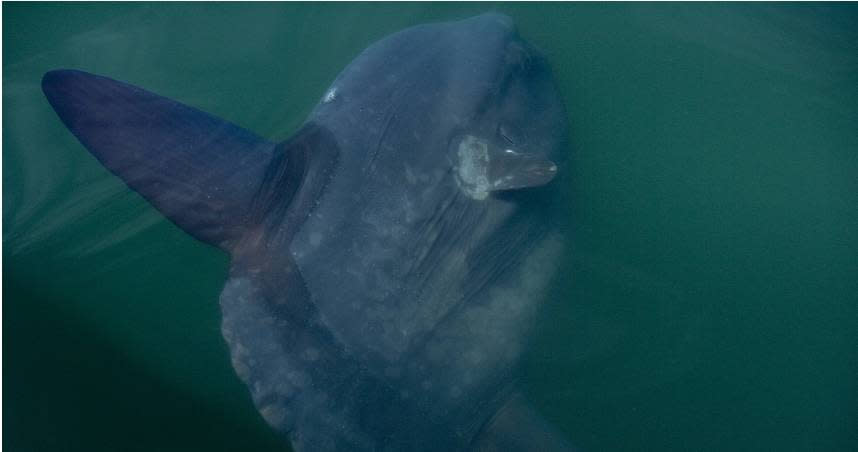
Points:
(708, 301)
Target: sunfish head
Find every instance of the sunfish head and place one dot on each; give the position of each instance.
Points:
(472, 91)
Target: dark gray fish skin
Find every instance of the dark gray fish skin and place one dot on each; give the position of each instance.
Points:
(386, 263)
(422, 289)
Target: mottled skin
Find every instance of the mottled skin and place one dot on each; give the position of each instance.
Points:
(385, 265)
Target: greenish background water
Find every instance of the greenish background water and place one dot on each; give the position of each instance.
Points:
(708, 300)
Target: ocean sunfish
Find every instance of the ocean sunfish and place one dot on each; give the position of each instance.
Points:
(388, 260)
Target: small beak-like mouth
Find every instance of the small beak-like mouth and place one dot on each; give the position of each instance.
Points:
(510, 170)
(483, 167)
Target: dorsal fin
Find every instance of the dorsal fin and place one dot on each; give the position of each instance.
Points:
(200, 171)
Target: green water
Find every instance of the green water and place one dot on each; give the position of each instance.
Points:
(708, 300)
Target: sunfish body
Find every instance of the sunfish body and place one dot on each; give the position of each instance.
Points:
(388, 259)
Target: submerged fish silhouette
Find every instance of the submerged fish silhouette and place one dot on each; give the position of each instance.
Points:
(386, 264)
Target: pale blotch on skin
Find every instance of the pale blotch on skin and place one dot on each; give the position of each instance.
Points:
(492, 332)
(473, 168)
(311, 354)
(330, 96)
(274, 414)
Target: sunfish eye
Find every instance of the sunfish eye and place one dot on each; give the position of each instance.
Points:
(509, 134)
